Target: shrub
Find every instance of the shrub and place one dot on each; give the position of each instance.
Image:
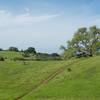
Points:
(18, 59)
(2, 59)
(69, 69)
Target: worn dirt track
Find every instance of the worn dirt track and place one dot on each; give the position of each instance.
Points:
(46, 80)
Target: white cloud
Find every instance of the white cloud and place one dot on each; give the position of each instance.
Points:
(7, 18)
(29, 19)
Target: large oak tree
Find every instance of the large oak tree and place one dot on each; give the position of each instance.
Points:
(84, 40)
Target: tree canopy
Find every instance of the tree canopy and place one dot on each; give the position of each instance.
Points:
(84, 40)
(31, 50)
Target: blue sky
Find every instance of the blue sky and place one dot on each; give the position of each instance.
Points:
(44, 24)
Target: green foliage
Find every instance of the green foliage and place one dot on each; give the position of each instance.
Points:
(46, 56)
(13, 49)
(1, 49)
(67, 54)
(84, 40)
(30, 50)
(2, 59)
(31, 54)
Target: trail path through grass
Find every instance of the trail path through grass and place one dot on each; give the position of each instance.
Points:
(46, 80)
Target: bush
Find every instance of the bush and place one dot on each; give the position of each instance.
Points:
(45, 56)
(2, 59)
(69, 69)
(18, 59)
(25, 54)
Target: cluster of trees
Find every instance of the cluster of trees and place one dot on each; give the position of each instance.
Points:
(15, 49)
(85, 42)
(31, 54)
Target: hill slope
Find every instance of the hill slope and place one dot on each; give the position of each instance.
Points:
(10, 54)
(81, 83)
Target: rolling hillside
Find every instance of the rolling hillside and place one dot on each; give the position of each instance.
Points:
(10, 54)
(50, 80)
(82, 83)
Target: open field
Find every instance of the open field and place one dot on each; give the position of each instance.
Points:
(50, 80)
(82, 83)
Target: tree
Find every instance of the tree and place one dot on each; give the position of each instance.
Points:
(13, 49)
(85, 41)
(1, 49)
(94, 41)
(30, 51)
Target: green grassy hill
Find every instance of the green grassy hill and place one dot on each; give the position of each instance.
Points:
(10, 54)
(47, 80)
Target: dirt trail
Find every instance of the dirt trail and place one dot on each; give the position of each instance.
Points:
(46, 80)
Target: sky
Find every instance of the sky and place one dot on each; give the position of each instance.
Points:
(44, 24)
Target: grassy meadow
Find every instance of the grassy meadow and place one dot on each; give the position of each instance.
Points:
(82, 82)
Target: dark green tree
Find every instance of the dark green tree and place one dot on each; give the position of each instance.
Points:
(13, 49)
(1, 49)
(30, 51)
